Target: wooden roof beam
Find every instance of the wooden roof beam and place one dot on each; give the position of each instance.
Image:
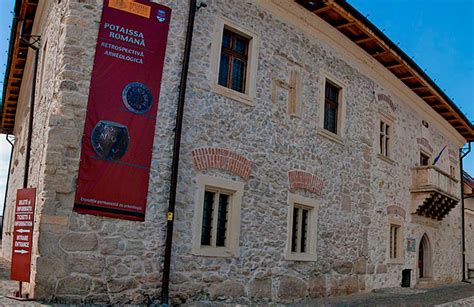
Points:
(395, 66)
(419, 88)
(408, 77)
(364, 40)
(345, 25)
(377, 54)
(323, 9)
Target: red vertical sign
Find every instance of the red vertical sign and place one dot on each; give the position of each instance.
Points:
(121, 112)
(23, 234)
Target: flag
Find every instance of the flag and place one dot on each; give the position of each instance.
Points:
(439, 155)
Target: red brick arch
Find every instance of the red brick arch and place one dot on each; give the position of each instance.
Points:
(222, 158)
(298, 179)
(396, 210)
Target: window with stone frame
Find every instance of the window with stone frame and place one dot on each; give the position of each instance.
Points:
(331, 107)
(395, 241)
(302, 229)
(424, 159)
(217, 217)
(385, 139)
(233, 61)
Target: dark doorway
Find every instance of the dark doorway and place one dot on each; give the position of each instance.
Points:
(420, 260)
(424, 258)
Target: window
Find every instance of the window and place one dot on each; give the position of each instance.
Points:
(302, 229)
(299, 231)
(394, 233)
(384, 139)
(234, 55)
(331, 106)
(424, 159)
(395, 248)
(217, 217)
(233, 61)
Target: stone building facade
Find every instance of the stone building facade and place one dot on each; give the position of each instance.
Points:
(267, 148)
(469, 222)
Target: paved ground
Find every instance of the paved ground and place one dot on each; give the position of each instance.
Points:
(8, 287)
(457, 294)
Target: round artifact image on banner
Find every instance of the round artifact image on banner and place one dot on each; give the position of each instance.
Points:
(137, 98)
(110, 140)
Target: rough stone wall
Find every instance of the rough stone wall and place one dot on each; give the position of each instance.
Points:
(82, 258)
(469, 231)
(47, 26)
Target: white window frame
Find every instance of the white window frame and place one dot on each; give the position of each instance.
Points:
(400, 239)
(313, 207)
(236, 190)
(341, 111)
(248, 97)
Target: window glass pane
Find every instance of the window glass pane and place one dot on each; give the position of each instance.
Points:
(224, 70)
(332, 92)
(222, 219)
(424, 159)
(240, 45)
(207, 218)
(381, 145)
(238, 75)
(304, 230)
(226, 39)
(386, 145)
(395, 237)
(294, 231)
(391, 241)
(332, 120)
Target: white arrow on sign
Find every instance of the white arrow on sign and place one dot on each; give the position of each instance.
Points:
(20, 251)
(23, 230)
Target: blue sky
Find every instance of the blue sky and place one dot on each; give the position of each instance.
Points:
(438, 33)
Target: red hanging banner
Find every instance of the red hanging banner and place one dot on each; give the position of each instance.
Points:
(121, 113)
(23, 234)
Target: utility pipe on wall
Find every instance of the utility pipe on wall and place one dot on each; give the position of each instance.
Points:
(463, 234)
(175, 161)
(32, 112)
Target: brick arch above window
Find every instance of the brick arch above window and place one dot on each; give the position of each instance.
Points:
(298, 179)
(222, 158)
(396, 210)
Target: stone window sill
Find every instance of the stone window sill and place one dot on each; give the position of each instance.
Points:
(331, 136)
(395, 261)
(220, 252)
(386, 159)
(300, 257)
(234, 95)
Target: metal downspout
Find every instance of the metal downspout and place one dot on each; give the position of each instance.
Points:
(175, 161)
(463, 234)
